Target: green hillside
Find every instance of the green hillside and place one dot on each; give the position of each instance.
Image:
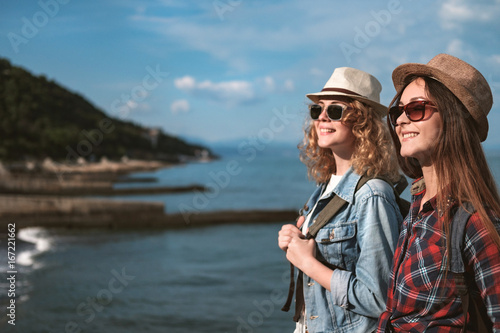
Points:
(39, 118)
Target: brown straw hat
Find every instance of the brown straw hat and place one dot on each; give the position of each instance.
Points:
(463, 80)
(353, 83)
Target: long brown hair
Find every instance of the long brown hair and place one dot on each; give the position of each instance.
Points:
(462, 171)
(373, 154)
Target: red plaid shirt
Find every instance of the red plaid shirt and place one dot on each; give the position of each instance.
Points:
(422, 297)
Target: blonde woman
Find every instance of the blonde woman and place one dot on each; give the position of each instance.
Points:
(346, 265)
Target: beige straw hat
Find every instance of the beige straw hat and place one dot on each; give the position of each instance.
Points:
(353, 83)
(463, 80)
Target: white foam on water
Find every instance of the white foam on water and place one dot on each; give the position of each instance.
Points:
(36, 236)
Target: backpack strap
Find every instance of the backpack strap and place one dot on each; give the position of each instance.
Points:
(400, 185)
(331, 209)
(291, 289)
(398, 188)
(457, 267)
(336, 203)
(457, 231)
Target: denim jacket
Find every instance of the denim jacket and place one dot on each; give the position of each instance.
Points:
(358, 243)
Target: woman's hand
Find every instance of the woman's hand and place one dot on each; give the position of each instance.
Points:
(298, 250)
(301, 252)
(287, 231)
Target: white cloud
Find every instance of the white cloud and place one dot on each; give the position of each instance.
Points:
(231, 92)
(459, 49)
(454, 13)
(245, 32)
(185, 83)
(455, 47)
(130, 107)
(269, 84)
(131, 104)
(316, 72)
(496, 59)
(180, 105)
(289, 85)
(235, 92)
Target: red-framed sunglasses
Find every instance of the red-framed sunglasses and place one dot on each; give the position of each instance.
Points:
(415, 111)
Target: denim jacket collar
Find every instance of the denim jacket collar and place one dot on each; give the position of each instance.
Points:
(346, 188)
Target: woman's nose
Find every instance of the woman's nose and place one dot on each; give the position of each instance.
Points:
(323, 116)
(402, 119)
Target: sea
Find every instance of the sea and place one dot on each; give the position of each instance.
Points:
(220, 278)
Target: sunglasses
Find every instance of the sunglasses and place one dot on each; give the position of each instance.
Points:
(333, 111)
(415, 111)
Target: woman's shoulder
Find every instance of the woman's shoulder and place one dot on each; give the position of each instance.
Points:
(376, 186)
(376, 189)
(376, 195)
(480, 245)
(475, 225)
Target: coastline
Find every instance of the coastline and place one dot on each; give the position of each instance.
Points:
(59, 196)
(62, 212)
(82, 179)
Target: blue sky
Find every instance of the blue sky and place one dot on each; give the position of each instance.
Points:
(221, 70)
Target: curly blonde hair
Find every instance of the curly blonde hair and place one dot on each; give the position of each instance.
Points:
(374, 153)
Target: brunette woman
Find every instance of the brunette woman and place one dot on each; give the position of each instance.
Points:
(438, 122)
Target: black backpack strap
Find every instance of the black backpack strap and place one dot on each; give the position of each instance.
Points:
(457, 233)
(398, 188)
(457, 267)
(401, 184)
(291, 289)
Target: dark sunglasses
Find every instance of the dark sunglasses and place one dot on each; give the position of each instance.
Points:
(333, 111)
(415, 111)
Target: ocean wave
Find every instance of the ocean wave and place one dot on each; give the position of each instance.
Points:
(36, 242)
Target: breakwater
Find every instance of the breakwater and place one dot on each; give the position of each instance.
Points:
(64, 212)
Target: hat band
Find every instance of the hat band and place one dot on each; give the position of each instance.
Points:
(345, 91)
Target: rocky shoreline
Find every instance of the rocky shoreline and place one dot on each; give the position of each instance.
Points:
(82, 179)
(50, 186)
(52, 195)
(60, 212)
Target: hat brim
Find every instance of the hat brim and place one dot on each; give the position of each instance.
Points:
(380, 110)
(403, 73)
